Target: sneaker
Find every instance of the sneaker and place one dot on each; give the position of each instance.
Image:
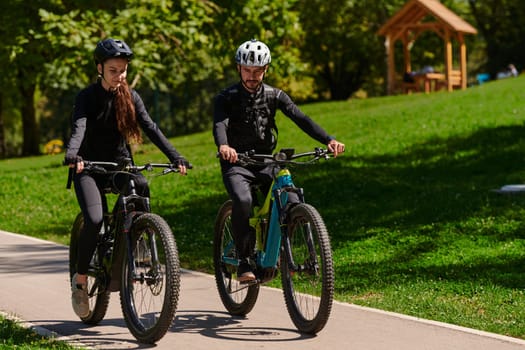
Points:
(244, 272)
(79, 298)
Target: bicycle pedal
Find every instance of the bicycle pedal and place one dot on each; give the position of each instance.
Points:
(250, 282)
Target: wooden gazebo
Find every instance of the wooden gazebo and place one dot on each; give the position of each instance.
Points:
(415, 17)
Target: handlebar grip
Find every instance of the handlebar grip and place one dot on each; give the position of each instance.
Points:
(69, 177)
(188, 165)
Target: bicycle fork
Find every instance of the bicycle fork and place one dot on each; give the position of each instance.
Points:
(311, 265)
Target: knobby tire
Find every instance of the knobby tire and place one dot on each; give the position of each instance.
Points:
(308, 293)
(99, 299)
(239, 299)
(149, 299)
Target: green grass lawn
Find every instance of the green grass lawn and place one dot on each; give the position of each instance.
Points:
(14, 336)
(415, 228)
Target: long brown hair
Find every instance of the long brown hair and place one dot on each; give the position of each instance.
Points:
(125, 113)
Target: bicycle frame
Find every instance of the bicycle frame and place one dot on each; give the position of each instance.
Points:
(136, 254)
(290, 237)
(115, 235)
(124, 213)
(278, 197)
(269, 221)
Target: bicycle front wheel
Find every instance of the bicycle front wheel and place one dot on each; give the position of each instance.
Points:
(96, 282)
(239, 299)
(150, 288)
(307, 275)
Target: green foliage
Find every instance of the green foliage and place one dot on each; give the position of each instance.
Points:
(184, 52)
(500, 24)
(14, 336)
(277, 23)
(179, 60)
(24, 52)
(414, 225)
(165, 38)
(342, 45)
(170, 47)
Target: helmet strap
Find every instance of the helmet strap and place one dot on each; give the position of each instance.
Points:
(101, 71)
(101, 76)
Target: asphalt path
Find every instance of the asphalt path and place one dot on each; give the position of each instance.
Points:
(35, 291)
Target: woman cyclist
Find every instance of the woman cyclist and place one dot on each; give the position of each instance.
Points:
(108, 116)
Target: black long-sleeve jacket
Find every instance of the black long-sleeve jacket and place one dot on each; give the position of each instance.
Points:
(95, 135)
(246, 121)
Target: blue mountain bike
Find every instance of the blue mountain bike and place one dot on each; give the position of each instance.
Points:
(290, 238)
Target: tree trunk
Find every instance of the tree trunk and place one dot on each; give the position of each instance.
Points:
(3, 150)
(30, 127)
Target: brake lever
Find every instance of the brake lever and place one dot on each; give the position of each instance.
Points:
(242, 161)
(167, 171)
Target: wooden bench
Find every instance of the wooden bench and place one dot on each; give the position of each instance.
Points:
(455, 79)
(426, 82)
(409, 87)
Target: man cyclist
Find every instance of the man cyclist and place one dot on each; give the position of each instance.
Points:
(244, 120)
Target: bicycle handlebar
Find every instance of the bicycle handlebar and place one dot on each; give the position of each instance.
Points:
(283, 157)
(113, 167)
(105, 167)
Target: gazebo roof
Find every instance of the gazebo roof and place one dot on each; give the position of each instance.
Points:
(416, 17)
(413, 12)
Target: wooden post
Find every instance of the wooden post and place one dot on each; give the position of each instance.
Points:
(391, 75)
(448, 59)
(407, 63)
(463, 61)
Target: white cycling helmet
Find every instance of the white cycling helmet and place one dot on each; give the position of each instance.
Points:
(253, 53)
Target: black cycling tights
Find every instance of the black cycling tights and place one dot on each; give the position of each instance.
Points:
(90, 198)
(238, 181)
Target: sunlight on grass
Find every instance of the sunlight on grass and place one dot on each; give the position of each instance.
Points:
(14, 336)
(414, 225)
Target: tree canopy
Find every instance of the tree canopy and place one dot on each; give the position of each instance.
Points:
(184, 53)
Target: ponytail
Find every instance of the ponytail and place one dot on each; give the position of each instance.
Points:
(125, 114)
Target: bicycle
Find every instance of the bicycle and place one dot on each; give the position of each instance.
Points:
(136, 254)
(290, 238)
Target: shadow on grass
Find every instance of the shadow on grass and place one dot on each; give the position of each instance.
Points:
(436, 182)
(432, 200)
(192, 225)
(395, 209)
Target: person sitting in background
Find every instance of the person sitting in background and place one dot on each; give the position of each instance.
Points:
(510, 71)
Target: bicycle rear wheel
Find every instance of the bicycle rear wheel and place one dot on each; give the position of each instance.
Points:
(239, 299)
(96, 283)
(308, 276)
(150, 295)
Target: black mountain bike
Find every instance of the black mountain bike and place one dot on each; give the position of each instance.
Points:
(136, 254)
(290, 238)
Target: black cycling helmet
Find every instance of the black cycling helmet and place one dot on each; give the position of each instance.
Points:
(111, 48)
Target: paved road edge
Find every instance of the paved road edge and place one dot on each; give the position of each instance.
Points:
(50, 334)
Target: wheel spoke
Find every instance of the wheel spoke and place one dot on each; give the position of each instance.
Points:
(238, 298)
(308, 289)
(150, 290)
